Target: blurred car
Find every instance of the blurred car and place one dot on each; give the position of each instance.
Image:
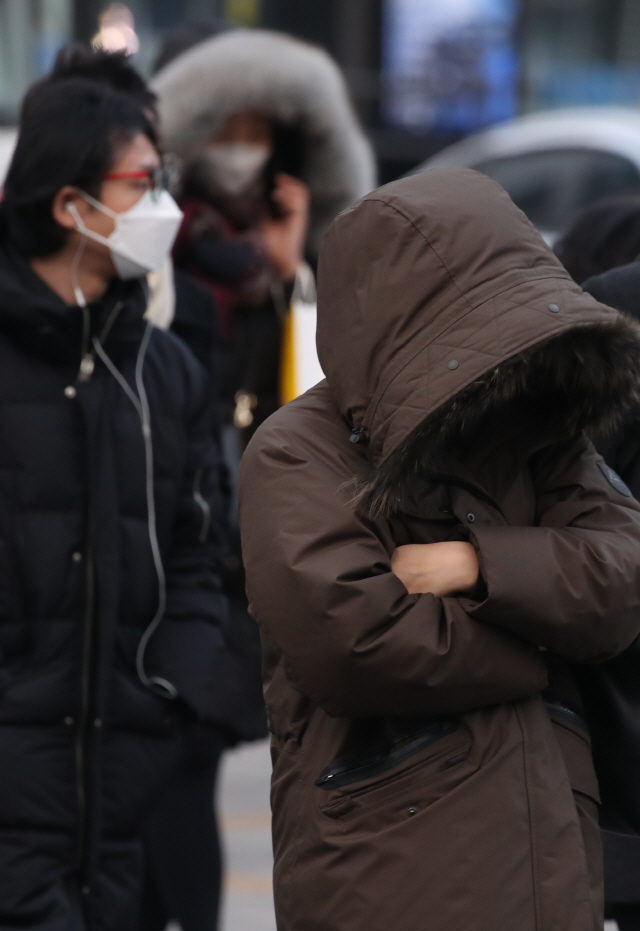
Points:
(8, 138)
(553, 164)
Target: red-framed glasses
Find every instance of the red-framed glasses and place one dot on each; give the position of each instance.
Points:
(160, 178)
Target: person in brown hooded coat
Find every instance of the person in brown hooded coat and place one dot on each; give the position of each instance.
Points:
(432, 771)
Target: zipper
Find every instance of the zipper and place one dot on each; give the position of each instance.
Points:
(203, 504)
(85, 700)
(338, 775)
(87, 366)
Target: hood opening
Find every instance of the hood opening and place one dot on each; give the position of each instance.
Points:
(293, 84)
(585, 379)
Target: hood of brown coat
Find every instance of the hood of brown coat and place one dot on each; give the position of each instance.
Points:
(438, 301)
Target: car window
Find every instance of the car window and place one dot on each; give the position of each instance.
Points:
(605, 175)
(552, 186)
(536, 182)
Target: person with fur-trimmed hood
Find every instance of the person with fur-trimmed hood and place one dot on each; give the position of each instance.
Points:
(271, 151)
(430, 539)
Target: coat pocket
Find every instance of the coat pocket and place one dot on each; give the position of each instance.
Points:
(572, 735)
(341, 774)
(422, 767)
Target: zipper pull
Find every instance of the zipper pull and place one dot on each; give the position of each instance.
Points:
(326, 778)
(358, 435)
(87, 366)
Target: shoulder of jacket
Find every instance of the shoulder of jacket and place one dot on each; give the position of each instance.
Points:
(310, 429)
(176, 352)
(179, 368)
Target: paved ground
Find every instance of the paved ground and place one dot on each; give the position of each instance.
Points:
(244, 806)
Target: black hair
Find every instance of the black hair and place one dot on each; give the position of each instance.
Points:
(112, 68)
(70, 134)
(603, 236)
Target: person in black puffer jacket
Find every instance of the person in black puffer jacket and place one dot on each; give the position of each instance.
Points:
(112, 621)
(612, 691)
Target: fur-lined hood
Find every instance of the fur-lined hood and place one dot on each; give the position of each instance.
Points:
(286, 80)
(439, 305)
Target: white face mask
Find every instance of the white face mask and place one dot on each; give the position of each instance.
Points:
(234, 166)
(143, 235)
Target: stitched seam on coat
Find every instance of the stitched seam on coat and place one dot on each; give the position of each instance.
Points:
(369, 415)
(453, 280)
(532, 830)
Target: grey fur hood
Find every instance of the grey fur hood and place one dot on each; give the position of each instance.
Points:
(288, 81)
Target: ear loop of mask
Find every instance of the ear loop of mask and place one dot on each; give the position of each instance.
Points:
(80, 225)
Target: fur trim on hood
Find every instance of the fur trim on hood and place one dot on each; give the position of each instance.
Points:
(444, 320)
(587, 379)
(287, 81)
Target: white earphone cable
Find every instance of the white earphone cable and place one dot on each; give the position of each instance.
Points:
(141, 404)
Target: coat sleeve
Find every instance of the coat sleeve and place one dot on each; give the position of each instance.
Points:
(190, 642)
(321, 588)
(571, 583)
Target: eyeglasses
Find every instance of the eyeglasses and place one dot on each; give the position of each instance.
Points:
(161, 178)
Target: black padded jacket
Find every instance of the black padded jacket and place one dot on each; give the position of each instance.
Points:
(86, 737)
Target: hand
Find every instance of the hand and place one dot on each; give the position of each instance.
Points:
(285, 236)
(439, 568)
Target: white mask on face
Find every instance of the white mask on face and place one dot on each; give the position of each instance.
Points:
(143, 235)
(234, 166)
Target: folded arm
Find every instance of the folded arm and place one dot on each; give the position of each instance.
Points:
(571, 583)
(321, 585)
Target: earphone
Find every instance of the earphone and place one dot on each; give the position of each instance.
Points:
(157, 684)
(71, 208)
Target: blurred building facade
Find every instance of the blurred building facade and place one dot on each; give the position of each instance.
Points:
(422, 72)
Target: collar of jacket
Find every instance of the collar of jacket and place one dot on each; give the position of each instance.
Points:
(38, 320)
(440, 311)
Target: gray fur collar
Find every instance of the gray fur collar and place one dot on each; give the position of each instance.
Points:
(586, 379)
(288, 81)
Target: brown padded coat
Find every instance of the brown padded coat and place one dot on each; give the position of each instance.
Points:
(431, 768)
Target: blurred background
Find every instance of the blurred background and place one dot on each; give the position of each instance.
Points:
(423, 73)
(542, 95)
